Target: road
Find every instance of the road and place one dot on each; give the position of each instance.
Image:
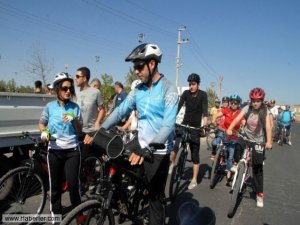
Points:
(281, 184)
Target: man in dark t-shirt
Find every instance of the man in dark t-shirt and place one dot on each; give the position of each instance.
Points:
(195, 101)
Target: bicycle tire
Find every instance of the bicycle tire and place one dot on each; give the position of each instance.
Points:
(22, 196)
(209, 139)
(236, 190)
(95, 214)
(177, 173)
(215, 171)
(284, 138)
(5, 166)
(91, 171)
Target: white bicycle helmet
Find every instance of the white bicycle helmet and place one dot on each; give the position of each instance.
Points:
(145, 52)
(61, 77)
(135, 83)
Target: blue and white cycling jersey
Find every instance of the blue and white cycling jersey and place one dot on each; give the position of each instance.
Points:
(64, 133)
(157, 109)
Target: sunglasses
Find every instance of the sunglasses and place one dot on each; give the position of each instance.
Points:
(139, 66)
(65, 88)
(234, 103)
(192, 83)
(78, 76)
(256, 100)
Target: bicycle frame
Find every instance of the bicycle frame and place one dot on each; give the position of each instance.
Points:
(246, 159)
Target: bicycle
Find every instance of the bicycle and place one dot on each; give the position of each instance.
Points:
(24, 189)
(282, 137)
(181, 158)
(122, 188)
(209, 138)
(218, 165)
(240, 179)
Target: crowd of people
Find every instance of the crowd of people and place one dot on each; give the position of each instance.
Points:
(150, 110)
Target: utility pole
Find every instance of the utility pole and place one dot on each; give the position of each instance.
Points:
(141, 37)
(178, 65)
(220, 84)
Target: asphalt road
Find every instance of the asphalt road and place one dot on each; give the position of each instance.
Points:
(281, 184)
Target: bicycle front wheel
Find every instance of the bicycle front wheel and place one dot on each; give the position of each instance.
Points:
(27, 195)
(216, 171)
(90, 212)
(177, 173)
(209, 138)
(236, 189)
(91, 172)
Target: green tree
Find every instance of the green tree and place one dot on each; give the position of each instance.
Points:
(107, 89)
(130, 77)
(11, 86)
(2, 86)
(211, 96)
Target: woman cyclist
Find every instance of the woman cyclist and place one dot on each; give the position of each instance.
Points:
(62, 119)
(258, 129)
(229, 115)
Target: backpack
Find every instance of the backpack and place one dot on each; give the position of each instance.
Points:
(286, 117)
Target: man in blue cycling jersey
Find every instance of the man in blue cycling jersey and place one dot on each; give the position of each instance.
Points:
(155, 100)
(285, 119)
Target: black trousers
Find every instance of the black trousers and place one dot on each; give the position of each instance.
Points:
(156, 174)
(63, 164)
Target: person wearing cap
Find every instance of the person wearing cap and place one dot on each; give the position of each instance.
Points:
(214, 110)
(60, 124)
(155, 100)
(50, 89)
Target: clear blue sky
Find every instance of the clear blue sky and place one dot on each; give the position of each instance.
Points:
(250, 42)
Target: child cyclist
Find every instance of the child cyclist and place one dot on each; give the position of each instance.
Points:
(229, 114)
(258, 129)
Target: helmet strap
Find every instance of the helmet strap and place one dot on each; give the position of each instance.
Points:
(151, 74)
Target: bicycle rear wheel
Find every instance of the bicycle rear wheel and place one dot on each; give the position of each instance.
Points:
(236, 190)
(27, 195)
(217, 170)
(177, 174)
(91, 172)
(90, 212)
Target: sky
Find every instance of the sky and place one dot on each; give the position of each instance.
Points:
(250, 43)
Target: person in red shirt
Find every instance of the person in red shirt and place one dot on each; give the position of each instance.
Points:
(229, 114)
(220, 132)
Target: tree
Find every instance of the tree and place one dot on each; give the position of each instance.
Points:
(2, 86)
(130, 77)
(107, 89)
(11, 86)
(211, 96)
(38, 66)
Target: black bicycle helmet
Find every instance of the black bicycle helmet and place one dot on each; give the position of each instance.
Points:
(145, 52)
(193, 77)
(225, 99)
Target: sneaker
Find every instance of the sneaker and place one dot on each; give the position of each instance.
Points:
(192, 185)
(171, 168)
(233, 168)
(278, 142)
(81, 219)
(289, 143)
(260, 200)
(213, 156)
